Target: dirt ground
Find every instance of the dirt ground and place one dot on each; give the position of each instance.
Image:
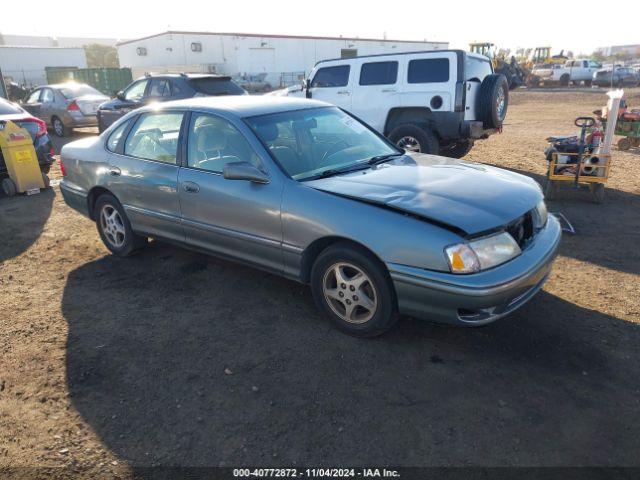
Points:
(172, 358)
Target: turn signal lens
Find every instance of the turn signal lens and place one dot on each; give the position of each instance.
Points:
(462, 259)
(482, 253)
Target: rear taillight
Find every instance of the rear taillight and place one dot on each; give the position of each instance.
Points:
(42, 126)
(63, 170)
(73, 107)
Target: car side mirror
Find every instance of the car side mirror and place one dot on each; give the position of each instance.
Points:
(120, 95)
(307, 87)
(244, 171)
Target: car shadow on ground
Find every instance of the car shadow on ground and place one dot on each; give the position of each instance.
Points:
(16, 234)
(77, 134)
(174, 358)
(606, 234)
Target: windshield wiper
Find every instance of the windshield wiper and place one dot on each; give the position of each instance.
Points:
(383, 158)
(337, 171)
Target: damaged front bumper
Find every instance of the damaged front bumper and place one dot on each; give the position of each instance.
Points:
(478, 298)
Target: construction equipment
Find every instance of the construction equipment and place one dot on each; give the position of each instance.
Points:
(22, 169)
(587, 160)
(509, 68)
(540, 57)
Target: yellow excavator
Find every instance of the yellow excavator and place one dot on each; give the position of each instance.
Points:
(508, 67)
(540, 57)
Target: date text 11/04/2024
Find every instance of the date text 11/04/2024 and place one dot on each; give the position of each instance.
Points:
(315, 473)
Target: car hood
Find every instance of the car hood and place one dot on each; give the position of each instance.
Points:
(465, 196)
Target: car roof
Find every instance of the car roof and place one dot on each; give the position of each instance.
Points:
(65, 85)
(240, 105)
(185, 75)
(398, 54)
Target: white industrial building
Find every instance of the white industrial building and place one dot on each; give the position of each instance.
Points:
(26, 65)
(282, 58)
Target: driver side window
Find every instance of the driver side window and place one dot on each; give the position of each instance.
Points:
(34, 97)
(136, 91)
(214, 142)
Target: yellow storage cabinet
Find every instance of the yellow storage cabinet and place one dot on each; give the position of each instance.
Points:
(21, 160)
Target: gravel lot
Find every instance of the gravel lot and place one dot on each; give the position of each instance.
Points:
(173, 358)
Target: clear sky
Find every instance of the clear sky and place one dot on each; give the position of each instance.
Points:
(580, 26)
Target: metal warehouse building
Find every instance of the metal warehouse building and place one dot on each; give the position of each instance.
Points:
(26, 65)
(283, 59)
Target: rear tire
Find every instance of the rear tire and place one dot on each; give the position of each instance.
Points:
(624, 144)
(59, 128)
(114, 227)
(415, 139)
(354, 290)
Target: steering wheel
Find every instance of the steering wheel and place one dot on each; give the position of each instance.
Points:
(585, 122)
(335, 148)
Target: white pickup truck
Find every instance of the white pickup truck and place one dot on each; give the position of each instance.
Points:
(572, 72)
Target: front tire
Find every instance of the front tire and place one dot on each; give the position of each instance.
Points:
(114, 227)
(354, 290)
(415, 139)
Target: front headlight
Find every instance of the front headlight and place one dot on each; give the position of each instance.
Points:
(540, 215)
(482, 253)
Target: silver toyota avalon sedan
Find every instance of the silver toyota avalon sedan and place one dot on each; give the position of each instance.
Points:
(305, 190)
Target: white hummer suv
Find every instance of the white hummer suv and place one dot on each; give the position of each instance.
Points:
(436, 102)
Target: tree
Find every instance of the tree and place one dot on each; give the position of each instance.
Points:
(99, 55)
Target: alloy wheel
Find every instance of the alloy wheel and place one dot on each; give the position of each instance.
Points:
(350, 293)
(500, 103)
(112, 226)
(409, 143)
(58, 127)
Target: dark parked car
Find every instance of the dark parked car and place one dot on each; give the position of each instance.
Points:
(161, 88)
(36, 128)
(622, 77)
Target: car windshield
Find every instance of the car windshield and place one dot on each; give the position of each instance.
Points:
(216, 86)
(78, 90)
(315, 142)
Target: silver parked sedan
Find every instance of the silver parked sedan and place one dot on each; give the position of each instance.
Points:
(305, 190)
(65, 106)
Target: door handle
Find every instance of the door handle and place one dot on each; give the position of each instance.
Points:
(389, 90)
(344, 92)
(114, 171)
(191, 187)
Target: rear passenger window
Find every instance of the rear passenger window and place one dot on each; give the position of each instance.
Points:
(428, 70)
(155, 137)
(379, 73)
(114, 138)
(331, 77)
(159, 88)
